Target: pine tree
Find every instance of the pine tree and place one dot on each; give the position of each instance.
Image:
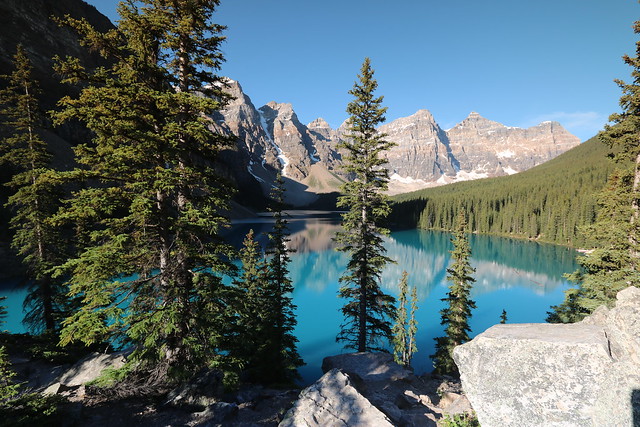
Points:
(455, 316)
(278, 356)
(399, 330)
(151, 207)
(244, 344)
(8, 387)
(406, 326)
(36, 195)
(623, 136)
(368, 309)
(412, 347)
(614, 262)
(609, 267)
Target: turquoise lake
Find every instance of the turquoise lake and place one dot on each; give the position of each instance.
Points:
(524, 278)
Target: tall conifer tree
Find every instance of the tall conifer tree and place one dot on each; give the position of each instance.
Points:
(609, 267)
(36, 195)
(623, 136)
(278, 353)
(615, 262)
(250, 305)
(149, 228)
(368, 309)
(455, 316)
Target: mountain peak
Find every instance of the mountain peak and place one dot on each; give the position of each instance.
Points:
(319, 123)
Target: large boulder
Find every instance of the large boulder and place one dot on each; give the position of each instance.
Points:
(333, 400)
(557, 375)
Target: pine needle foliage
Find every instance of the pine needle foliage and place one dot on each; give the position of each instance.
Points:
(149, 212)
(455, 316)
(249, 284)
(613, 264)
(608, 267)
(278, 353)
(406, 326)
(368, 309)
(266, 345)
(36, 194)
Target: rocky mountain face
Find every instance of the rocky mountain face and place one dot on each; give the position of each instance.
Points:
(30, 23)
(271, 138)
(425, 155)
(486, 147)
(422, 152)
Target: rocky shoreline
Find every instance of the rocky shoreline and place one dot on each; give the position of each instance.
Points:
(368, 388)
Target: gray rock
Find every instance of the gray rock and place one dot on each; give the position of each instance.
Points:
(486, 147)
(216, 413)
(203, 390)
(91, 367)
(56, 388)
(367, 366)
(334, 401)
(422, 150)
(557, 375)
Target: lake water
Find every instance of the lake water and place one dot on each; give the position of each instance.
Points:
(524, 278)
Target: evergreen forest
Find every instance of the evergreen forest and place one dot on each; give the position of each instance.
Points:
(549, 203)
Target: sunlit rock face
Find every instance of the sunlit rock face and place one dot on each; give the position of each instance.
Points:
(291, 137)
(421, 150)
(586, 373)
(485, 147)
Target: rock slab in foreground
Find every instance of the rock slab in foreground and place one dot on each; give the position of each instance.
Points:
(333, 401)
(582, 374)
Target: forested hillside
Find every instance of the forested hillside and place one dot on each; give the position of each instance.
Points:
(548, 203)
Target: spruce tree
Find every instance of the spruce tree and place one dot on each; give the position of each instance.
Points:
(609, 267)
(279, 358)
(36, 194)
(249, 304)
(455, 316)
(150, 261)
(368, 309)
(399, 330)
(413, 326)
(405, 327)
(622, 135)
(614, 262)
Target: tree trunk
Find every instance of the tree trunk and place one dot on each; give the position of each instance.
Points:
(362, 316)
(635, 213)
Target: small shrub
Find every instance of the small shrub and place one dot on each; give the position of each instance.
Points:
(460, 420)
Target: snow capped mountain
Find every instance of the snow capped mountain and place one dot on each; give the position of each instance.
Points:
(271, 139)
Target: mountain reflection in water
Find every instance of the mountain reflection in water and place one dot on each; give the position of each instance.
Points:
(524, 278)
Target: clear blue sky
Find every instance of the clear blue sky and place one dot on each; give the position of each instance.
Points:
(517, 62)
